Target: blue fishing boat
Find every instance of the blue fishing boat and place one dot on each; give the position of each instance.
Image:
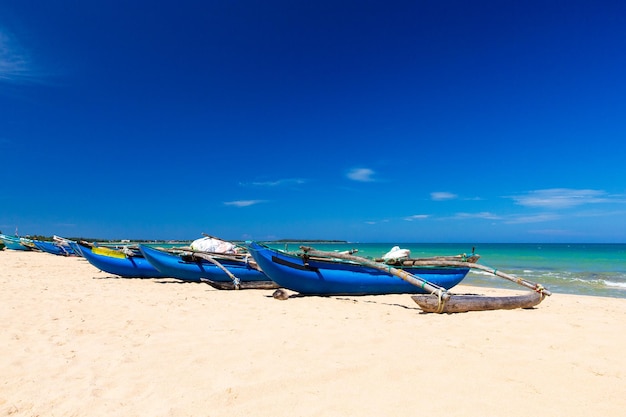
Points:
(54, 248)
(13, 243)
(73, 246)
(204, 266)
(115, 262)
(327, 275)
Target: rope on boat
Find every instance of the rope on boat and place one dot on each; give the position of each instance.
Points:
(441, 302)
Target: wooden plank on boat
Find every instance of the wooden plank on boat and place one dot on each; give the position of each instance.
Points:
(415, 261)
(465, 303)
(242, 285)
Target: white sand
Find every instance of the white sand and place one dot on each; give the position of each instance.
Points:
(79, 342)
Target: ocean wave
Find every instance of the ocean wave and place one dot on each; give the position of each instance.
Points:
(612, 284)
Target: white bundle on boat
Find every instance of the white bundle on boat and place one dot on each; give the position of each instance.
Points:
(396, 254)
(210, 244)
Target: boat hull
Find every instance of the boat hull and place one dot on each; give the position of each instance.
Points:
(329, 277)
(127, 267)
(196, 270)
(13, 243)
(53, 248)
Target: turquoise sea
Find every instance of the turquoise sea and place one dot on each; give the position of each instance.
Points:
(583, 269)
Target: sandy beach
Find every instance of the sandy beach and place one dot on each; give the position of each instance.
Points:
(79, 342)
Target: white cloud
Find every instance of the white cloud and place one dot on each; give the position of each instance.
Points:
(536, 218)
(442, 195)
(242, 203)
(559, 198)
(361, 174)
(14, 63)
(277, 183)
(482, 215)
(416, 217)
(377, 222)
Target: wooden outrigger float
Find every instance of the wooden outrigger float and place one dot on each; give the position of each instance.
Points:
(440, 300)
(468, 302)
(241, 285)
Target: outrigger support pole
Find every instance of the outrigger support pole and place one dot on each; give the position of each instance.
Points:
(236, 281)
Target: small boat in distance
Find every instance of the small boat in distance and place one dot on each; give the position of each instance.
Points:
(13, 243)
(55, 248)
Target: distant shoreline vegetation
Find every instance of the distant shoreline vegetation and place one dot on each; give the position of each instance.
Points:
(112, 241)
(122, 241)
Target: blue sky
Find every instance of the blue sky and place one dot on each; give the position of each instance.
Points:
(394, 121)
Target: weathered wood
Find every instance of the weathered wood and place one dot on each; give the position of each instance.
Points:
(521, 281)
(412, 261)
(243, 285)
(464, 303)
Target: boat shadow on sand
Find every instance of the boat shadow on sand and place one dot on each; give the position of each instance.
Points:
(283, 295)
(154, 280)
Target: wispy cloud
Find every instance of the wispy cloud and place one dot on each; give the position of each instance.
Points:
(377, 222)
(361, 174)
(242, 203)
(416, 217)
(276, 183)
(442, 196)
(15, 64)
(481, 215)
(535, 218)
(559, 198)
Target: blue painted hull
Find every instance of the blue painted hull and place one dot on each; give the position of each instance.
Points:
(76, 247)
(127, 267)
(53, 248)
(13, 243)
(329, 277)
(178, 267)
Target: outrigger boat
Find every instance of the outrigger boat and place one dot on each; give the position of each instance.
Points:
(55, 248)
(13, 243)
(333, 273)
(220, 270)
(125, 263)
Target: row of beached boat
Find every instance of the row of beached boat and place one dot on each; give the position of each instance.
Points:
(56, 247)
(253, 265)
